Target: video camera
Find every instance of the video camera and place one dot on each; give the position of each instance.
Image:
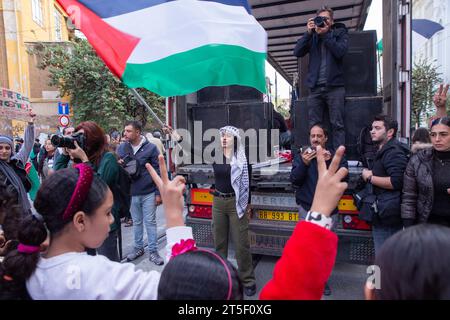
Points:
(61, 141)
(320, 22)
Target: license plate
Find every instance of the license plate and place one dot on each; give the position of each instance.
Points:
(201, 196)
(347, 205)
(277, 215)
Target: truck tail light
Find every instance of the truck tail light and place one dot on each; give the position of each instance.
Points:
(352, 222)
(198, 211)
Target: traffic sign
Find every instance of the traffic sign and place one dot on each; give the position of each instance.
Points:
(64, 121)
(63, 108)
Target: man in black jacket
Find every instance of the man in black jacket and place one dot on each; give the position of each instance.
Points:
(327, 44)
(386, 176)
(305, 174)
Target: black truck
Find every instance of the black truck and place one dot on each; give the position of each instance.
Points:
(275, 212)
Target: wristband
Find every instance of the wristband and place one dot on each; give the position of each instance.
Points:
(319, 219)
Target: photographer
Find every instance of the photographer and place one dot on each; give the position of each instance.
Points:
(327, 44)
(91, 147)
(67, 132)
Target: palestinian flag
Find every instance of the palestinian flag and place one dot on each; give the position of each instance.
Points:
(175, 47)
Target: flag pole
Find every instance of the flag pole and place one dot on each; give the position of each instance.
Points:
(144, 103)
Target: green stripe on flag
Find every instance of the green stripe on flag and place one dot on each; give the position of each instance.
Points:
(187, 72)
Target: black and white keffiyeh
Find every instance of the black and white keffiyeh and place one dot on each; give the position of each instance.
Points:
(239, 172)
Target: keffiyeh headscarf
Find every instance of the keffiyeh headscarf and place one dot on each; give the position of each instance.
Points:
(239, 172)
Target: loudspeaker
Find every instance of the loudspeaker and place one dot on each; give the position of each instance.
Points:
(299, 116)
(228, 94)
(359, 112)
(360, 66)
(245, 116)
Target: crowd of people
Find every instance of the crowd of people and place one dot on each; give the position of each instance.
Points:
(46, 253)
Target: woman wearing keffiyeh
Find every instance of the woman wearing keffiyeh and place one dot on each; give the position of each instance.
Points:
(231, 205)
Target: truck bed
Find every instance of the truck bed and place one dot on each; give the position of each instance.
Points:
(263, 177)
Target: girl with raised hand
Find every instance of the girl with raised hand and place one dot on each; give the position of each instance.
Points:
(77, 216)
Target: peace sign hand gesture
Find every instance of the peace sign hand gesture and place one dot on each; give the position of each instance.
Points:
(440, 98)
(329, 187)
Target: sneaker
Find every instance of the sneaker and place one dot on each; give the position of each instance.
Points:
(250, 291)
(134, 255)
(327, 290)
(156, 259)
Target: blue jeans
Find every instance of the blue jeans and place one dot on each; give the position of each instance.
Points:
(381, 233)
(143, 212)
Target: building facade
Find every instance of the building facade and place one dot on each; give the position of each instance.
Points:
(23, 25)
(437, 48)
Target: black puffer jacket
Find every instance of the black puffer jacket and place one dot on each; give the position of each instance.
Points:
(391, 162)
(418, 188)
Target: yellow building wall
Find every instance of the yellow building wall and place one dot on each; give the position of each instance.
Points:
(22, 29)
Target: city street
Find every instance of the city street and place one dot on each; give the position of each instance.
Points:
(346, 281)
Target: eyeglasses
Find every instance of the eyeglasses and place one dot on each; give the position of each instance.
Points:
(7, 148)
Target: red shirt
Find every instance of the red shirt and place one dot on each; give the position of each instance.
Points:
(305, 266)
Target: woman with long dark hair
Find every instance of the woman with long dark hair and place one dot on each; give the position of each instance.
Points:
(46, 160)
(426, 187)
(104, 163)
(420, 140)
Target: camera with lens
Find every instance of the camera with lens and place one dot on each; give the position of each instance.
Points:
(61, 141)
(320, 22)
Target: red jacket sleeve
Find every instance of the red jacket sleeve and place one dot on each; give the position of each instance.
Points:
(305, 265)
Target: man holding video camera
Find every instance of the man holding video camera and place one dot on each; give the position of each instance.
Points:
(327, 43)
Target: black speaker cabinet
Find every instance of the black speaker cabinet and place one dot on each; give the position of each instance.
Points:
(359, 112)
(360, 66)
(245, 116)
(228, 94)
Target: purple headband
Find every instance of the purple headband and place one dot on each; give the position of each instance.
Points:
(189, 245)
(230, 283)
(23, 248)
(81, 190)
